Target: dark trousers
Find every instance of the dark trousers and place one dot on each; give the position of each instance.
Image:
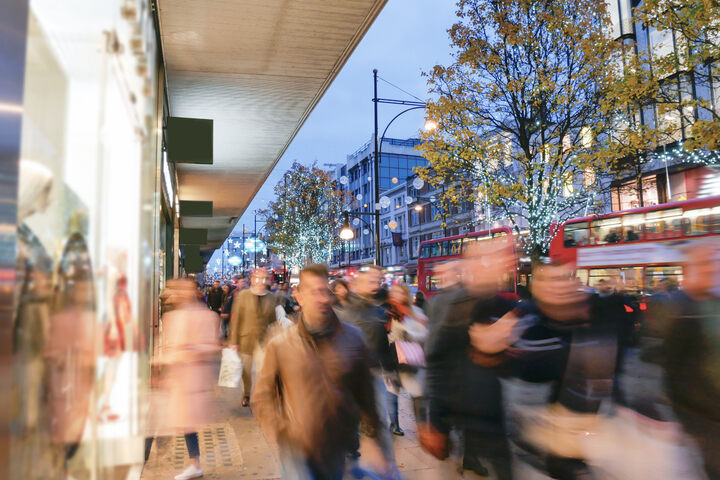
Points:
(191, 441)
(193, 446)
(490, 447)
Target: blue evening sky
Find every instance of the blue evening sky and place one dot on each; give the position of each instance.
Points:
(408, 38)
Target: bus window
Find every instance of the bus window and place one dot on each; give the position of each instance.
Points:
(663, 224)
(576, 234)
(697, 222)
(605, 231)
(633, 227)
(467, 241)
(582, 275)
(655, 275)
(610, 275)
(426, 251)
(630, 281)
(455, 246)
(436, 249)
(431, 283)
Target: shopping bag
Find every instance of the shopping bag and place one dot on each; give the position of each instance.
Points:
(230, 369)
(410, 353)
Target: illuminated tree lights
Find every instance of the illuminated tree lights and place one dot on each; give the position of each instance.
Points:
(303, 218)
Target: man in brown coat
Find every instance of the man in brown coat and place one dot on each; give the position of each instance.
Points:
(253, 311)
(314, 385)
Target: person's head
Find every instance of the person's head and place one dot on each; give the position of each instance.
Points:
(181, 291)
(702, 271)
(400, 294)
(216, 284)
(448, 274)
(340, 289)
(486, 264)
(226, 288)
(314, 296)
(419, 298)
(558, 293)
(283, 287)
(368, 281)
(604, 287)
(258, 279)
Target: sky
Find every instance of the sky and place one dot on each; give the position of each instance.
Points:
(408, 38)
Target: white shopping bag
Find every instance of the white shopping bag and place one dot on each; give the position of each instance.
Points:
(230, 369)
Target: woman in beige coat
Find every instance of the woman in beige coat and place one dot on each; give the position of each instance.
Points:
(189, 358)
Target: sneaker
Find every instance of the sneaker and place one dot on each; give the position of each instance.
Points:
(396, 430)
(190, 472)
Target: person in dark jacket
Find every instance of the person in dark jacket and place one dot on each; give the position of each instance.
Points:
(462, 386)
(363, 312)
(692, 354)
(215, 297)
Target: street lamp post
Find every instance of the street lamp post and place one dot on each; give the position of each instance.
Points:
(378, 151)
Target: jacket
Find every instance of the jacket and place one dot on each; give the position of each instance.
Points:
(251, 316)
(458, 387)
(312, 391)
(371, 319)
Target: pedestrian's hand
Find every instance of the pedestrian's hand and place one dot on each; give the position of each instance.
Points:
(493, 338)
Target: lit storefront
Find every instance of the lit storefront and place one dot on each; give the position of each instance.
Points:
(88, 240)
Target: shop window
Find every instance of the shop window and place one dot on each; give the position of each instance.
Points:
(576, 234)
(663, 224)
(432, 282)
(633, 227)
(606, 231)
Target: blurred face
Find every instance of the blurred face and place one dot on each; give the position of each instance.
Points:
(341, 292)
(225, 289)
(485, 266)
(216, 284)
(315, 299)
(702, 272)
(604, 288)
(258, 280)
(398, 296)
(368, 283)
(558, 294)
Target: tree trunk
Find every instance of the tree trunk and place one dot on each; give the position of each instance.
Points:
(639, 186)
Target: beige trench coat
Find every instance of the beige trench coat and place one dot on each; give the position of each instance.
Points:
(251, 316)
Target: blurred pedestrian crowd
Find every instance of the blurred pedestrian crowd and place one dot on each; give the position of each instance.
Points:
(325, 361)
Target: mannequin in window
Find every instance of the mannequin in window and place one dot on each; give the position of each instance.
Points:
(33, 292)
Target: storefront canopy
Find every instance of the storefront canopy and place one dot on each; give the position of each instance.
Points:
(257, 68)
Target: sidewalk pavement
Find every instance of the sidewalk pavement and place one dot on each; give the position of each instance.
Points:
(233, 447)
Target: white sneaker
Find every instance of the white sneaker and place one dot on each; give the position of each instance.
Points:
(190, 472)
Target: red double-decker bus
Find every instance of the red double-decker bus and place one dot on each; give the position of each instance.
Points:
(441, 250)
(637, 247)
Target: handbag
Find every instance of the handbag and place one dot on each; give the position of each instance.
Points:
(410, 353)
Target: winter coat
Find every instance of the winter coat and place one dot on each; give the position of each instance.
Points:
(189, 358)
(459, 388)
(371, 320)
(311, 391)
(250, 318)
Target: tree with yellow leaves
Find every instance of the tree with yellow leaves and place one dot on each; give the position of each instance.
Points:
(518, 111)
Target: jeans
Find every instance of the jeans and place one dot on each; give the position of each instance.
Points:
(391, 401)
(193, 446)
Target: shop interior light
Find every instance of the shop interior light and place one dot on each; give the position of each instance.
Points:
(418, 208)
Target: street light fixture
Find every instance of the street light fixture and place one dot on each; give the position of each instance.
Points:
(347, 233)
(429, 126)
